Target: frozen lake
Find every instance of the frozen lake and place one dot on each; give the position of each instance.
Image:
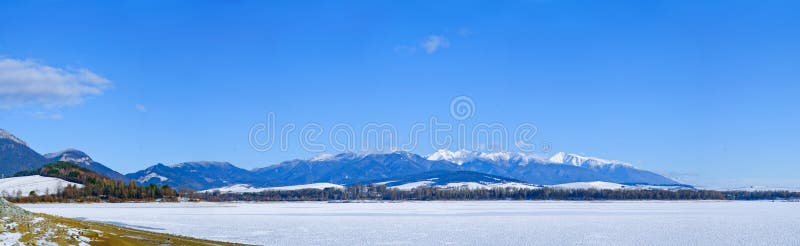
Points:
(458, 223)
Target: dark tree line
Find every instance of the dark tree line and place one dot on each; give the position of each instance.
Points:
(381, 193)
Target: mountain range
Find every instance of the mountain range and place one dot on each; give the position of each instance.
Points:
(351, 168)
(16, 156)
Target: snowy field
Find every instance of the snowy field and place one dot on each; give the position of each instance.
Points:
(458, 223)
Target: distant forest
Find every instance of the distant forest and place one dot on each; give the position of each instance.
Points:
(381, 193)
(98, 188)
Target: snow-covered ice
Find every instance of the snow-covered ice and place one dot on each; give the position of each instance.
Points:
(459, 223)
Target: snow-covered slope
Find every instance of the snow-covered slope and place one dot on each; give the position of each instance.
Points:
(7, 135)
(40, 184)
(149, 176)
(577, 160)
(70, 155)
(463, 185)
(82, 159)
(245, 188)
(198, 175)
(453, 180)
(600, 185)
(462, 156)
(559, 168)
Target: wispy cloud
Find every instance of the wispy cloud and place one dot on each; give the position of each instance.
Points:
(434, 43)
(430, 44)
(140, 108)
(48, 116)
(464, 32)
(26, 82)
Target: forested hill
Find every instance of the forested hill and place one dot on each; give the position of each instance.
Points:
(96, 187)
(69, 172)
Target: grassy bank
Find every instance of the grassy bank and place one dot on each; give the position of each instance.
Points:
(26, 228)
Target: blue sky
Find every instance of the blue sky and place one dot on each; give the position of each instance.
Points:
(702, 91)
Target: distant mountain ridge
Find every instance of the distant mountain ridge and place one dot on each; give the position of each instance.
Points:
(193, 175)
(16, 156)
(82, 159)
(354, 168)
(347, 168)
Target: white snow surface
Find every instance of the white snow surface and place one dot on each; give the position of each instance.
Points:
(464, 185)
(324, 157)
(67, 155)
(462, 156)
(26, 184)
(245, 188)
(458, 223)
(600, 185)
(476, 185)
(578, 160)
(151, 175)
(413, 185)
(9, 238)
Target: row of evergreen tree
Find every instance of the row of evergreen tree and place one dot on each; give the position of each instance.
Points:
(380, 192)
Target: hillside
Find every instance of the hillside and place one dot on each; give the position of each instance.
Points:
(95, 187)
(82, 159)
(69, 172)
(453, 180)
(15, 155)
(33, 185)
(194, 175)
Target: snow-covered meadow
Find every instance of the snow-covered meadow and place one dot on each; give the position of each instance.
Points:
(22, 186)
(459, 223)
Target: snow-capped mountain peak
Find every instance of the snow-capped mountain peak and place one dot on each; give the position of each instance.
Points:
(457, 157)
(7, 135)
(202, 164)
(577, 160)
(462, 156)
(558, 157)
(324, 157)
(71, 155)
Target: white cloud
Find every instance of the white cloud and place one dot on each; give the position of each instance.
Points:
(25, 82)
(140, 108)
(433, 43)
